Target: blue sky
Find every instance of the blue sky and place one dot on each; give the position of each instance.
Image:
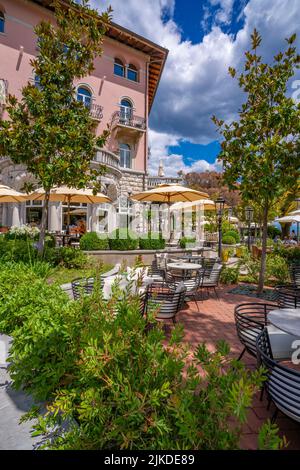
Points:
(204, 38)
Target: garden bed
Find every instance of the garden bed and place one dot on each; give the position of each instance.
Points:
(251, 291)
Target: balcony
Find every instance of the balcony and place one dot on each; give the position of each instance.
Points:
(3, 94)
(109, 159)
(154, 181)
(96, 111)
(128, 123)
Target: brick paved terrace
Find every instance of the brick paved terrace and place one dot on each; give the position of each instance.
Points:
(215, 321)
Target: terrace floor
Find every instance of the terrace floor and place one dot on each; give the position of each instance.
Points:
(215, 321)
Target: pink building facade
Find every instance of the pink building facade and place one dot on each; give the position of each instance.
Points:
(120, 92)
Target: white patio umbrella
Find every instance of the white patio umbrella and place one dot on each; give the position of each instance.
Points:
(289, 218)
(67, 195)
(169, 193)
(208, 204)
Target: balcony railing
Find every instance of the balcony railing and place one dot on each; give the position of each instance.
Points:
(108, 159)
(156, 180)
(96, 111)
(129, 120)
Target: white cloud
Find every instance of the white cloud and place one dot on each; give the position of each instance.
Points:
(195, 83)
(173, 163)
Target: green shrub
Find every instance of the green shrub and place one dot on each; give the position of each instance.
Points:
(123, 239)
(291, 254)
(228, 240)
(91, 241)
(277, 269)
(17, 250)
(233, 233)
(83, 360)
(229, 275)
(66, 256)
(154, 241)
(273, 231)
(184, 241)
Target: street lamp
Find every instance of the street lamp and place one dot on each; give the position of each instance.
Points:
(220, 202)
(249, 217)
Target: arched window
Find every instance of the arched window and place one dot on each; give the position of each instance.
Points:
(132, 73)
(125, 156)
(126, 110)
(119, 68)
(2, 22)
(85, 96)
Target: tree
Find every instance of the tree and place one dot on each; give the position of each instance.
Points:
(48, 129)
(212, 182)
(260, 151)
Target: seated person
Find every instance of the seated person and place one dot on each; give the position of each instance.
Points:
(81, 226)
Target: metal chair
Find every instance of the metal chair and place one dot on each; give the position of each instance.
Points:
(82, 286)
(167, 302)
(191, 284)
(287, 296)
(294, 270)
(211, 278)
(282, 384)
(250, 320)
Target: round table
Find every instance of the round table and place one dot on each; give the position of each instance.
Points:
(286, 319)
(185, 267)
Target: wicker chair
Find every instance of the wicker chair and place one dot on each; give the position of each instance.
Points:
(287, 296)
(168, 302)
(282, 384)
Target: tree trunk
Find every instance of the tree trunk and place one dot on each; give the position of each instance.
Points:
(41, 242)
(285, 229)
(263, 251)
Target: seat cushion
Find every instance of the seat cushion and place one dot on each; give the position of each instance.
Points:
(281, 343)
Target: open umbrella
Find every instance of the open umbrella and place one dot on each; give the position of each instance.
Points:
(289, 218)
(8, 194)
(169, 193)
(67, 195)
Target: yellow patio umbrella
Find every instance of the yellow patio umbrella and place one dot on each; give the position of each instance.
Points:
(67, 195)
(8, 194)
(208, 205)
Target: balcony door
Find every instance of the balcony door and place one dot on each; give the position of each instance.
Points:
(126, 111)
(85, 96)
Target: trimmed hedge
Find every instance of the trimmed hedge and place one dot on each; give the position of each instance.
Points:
(123, 239)
(154, 241)
(91, 241)
(234, 234)
(185, 241)
(228, 240)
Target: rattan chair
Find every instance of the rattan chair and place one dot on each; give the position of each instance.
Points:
(167, 302)
(287, 296)
(282, 384)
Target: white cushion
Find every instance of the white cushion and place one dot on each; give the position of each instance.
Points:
(281, 343)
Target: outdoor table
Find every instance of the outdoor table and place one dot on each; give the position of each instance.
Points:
(286, 319)
(185, 267)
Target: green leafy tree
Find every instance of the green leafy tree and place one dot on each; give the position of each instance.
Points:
(48, 129)
(260, 151)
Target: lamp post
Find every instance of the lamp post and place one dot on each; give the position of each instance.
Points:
(220, 202)
(249, 217)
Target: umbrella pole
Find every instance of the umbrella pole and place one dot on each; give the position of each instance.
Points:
(68, 216)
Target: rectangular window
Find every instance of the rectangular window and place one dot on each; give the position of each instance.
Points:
(1, 23)
(132, 75)
(119, 70)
